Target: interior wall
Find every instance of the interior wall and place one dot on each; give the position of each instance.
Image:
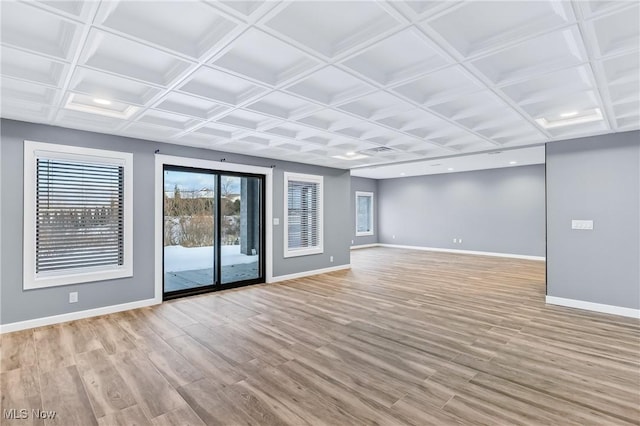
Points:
(364, 185)
(497, 210)
(19, 305)
(595, 178)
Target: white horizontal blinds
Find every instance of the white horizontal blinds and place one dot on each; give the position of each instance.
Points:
(303, 214)
(79, 215)
(364, 213)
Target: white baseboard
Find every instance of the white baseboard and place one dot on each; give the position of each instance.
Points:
(362, 246)
(309, 273)
(596, 307)
(72, 316)
(478, 253)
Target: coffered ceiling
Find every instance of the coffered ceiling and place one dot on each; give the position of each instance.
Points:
(336, 83)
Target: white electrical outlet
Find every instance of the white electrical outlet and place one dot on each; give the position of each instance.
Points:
(460, 240)
(455, 240)
(585, 225)
(276, 221)
(351, 242)
(331, 259)
(73, 297)
(393, 237)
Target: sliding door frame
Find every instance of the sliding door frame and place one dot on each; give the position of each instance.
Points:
(161, 161)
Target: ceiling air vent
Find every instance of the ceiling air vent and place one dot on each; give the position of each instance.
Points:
(378, 150)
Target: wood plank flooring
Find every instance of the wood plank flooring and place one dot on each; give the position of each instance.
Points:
(403, 338)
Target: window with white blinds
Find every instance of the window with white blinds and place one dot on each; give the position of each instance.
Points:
(303, 214)
(364, 213)
(77, 228)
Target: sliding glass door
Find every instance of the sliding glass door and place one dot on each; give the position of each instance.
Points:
(240, 230)
(213, 230)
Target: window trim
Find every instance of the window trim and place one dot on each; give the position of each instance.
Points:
(319, 249)
(33, 150)
(371, 214)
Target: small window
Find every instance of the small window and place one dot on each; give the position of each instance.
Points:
(78, 205)
(364, 213)
(303, 214)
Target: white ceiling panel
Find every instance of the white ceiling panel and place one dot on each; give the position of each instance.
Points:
(283, 105)
(311, 81)
(165, 119)
(330, 28)
(245, 8)
(400, 57)
(191, 106)
(119, 55)
(624, 92)
(36, 30)
(18, 90)
(264, 58)
(439, 85)
(330, 85)
(207, 27)
(595, 7)
(149, 132)
(470, 105)
(475, 27)
(220, 86)
(216, 130)
(617, 32)
(25, 111)
(72, 8)
(550, 85)
(553, 108)
(376, 105)
(246, 119)
(622, 69)
(328, 119)
(108, 86)
(535, 56)
(38, 69)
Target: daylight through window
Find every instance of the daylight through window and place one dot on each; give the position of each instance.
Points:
(79, 207)
(303, 213)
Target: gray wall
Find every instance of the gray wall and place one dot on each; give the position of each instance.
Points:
(594, 178)
(498, 210)
(19, 305)
(365, 185)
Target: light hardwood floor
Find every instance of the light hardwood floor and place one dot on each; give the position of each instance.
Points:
(405, 337)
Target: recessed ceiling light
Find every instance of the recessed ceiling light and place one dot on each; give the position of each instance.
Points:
(513, 162)
(569, 114)
(588, 116)
(83, 103)
(450, 169)
(101, 101)
(350, 156)
(403, 174)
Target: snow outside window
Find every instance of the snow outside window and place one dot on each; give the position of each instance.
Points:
(78, 205)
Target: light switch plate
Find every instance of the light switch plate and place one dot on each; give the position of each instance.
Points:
(585, 225)
(276, 221)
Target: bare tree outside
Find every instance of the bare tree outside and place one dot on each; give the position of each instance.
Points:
(190, 212)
